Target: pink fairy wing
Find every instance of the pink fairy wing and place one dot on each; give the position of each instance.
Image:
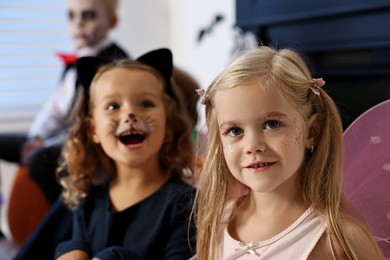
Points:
(367, 169)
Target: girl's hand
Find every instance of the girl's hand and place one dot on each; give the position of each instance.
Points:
(74, 255)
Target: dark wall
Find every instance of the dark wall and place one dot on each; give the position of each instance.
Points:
(348, 43)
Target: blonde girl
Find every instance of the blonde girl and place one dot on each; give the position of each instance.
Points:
(271, 183)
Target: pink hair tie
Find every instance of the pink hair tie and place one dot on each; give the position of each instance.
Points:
(317, 84)
(205, 97)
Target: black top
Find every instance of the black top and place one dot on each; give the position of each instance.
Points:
(155, 228)
(113, 51)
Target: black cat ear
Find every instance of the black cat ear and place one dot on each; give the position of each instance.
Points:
(162, 61)
(86, 69)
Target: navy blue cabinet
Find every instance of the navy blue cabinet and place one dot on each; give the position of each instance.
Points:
(348, 42)
(318, 25)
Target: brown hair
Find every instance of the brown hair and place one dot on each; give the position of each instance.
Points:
(187, 85)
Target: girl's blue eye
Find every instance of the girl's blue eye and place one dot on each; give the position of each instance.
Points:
(235, 131)
(272, 124)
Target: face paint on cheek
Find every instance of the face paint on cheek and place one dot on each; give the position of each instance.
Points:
(286, 139)
(113, 128)
(298, 137)
(148, 125)
(298, 133)
(292, 136)
(285, 142)
(227, 149)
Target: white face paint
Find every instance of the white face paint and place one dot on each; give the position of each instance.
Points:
(88, 22)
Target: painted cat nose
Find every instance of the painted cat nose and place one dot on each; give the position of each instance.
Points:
(131, 116)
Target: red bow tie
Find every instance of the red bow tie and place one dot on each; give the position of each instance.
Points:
(68, 59)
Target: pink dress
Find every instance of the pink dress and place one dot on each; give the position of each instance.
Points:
(296, 242)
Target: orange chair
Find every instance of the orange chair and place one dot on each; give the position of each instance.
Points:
(27, 206)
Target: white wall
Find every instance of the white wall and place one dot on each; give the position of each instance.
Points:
(143, 25)
(149, 24)
(207, 58)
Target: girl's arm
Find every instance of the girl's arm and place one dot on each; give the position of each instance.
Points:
(50, 119)
(78, 244)
(182, 241)
(74, 255)
(117, 252)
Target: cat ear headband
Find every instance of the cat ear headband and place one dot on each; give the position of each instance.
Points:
(160, 59)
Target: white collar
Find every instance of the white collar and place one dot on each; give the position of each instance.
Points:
(93, 51)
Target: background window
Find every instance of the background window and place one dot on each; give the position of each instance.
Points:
(31, 32)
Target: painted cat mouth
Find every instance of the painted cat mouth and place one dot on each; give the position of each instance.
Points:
(131, 138)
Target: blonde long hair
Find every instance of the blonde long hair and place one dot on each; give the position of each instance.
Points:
(84, 162)
(320, 176)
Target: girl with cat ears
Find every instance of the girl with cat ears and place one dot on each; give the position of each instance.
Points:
(126, 154)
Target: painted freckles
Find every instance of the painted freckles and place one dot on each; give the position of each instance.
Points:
(228, 149)
(293, 135)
